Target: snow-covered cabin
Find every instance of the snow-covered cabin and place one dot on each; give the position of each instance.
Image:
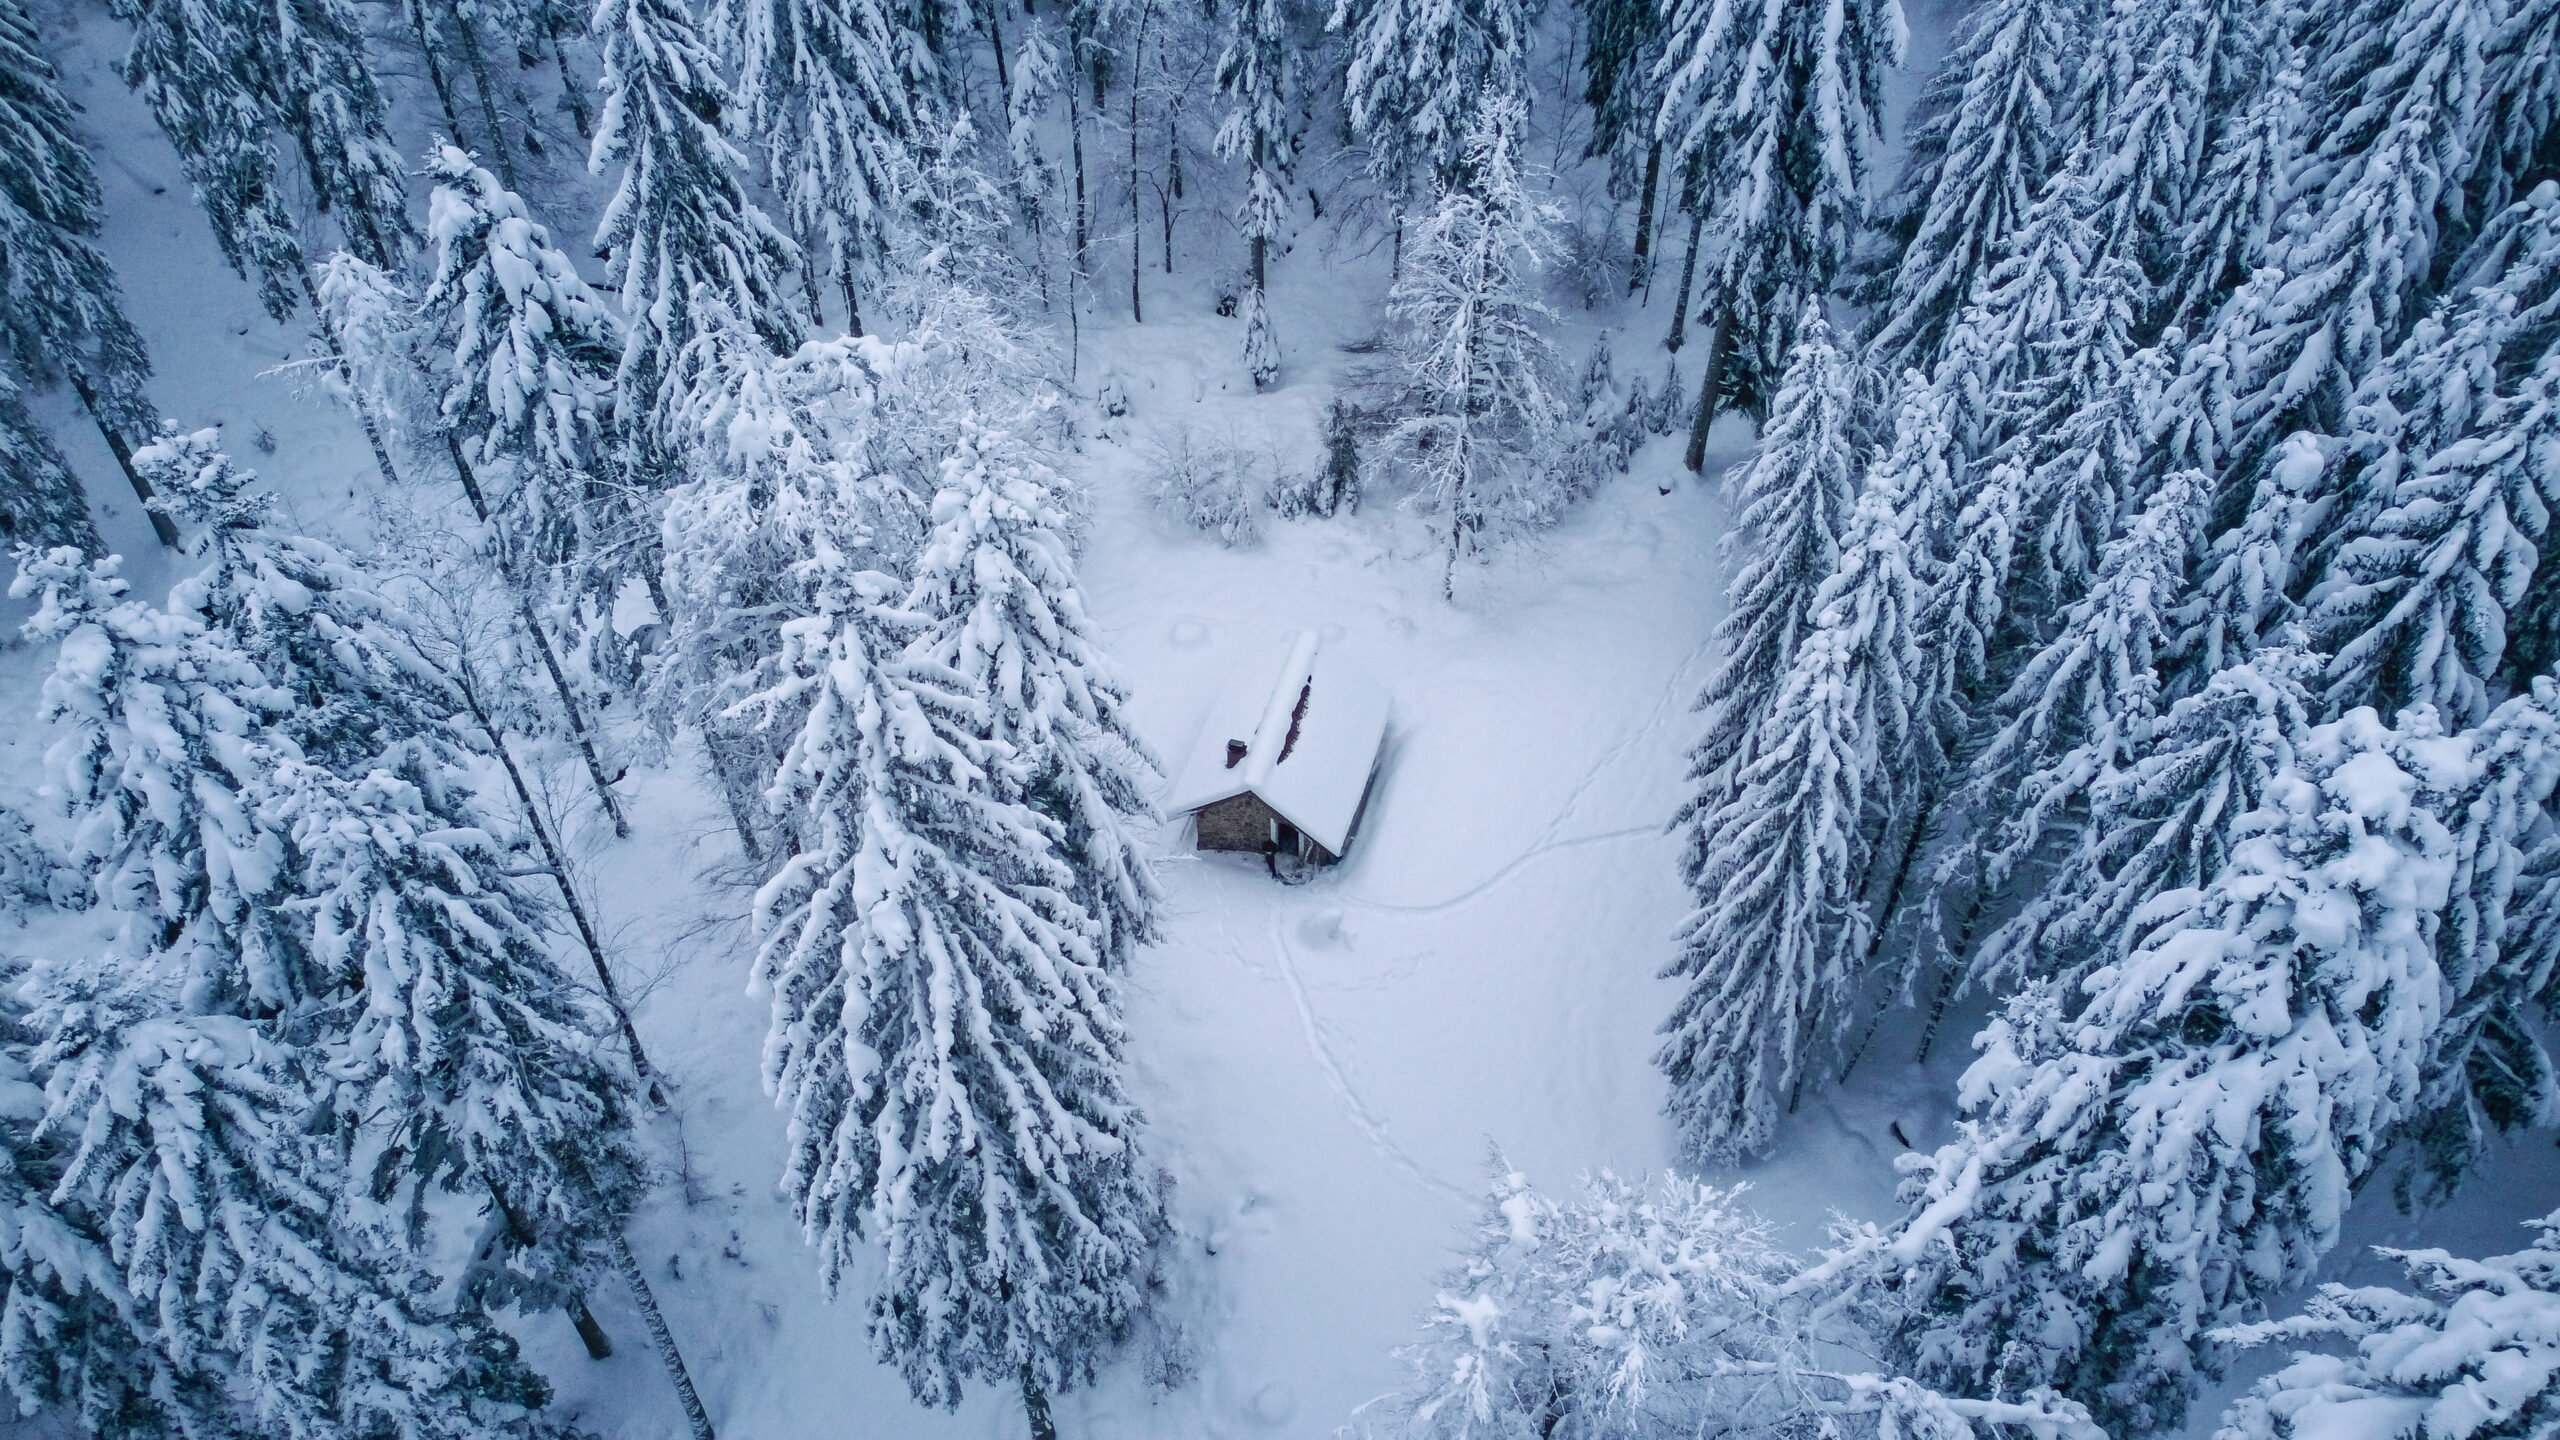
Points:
(1284, 761)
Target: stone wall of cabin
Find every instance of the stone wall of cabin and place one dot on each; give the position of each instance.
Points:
(1241, 822)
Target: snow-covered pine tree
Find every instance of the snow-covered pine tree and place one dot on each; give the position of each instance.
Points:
(178, 1061)
(2249, 177)
(2416, 607)
(1773, 951)
(2522, 101)
(69, 1347)
(1986, 138)
(946, 1036)
(777, 474)
(996, 586)
(41, 501)
(2466, 1347)
(2439, 511)
(2077, 712)
(2160, 1156)
(2162, 821)
(1777, 108)
(2188, 66)
(1791, 503)
(2245, 590)
(523, 358)
(680, 225)
(2487, 1066)
(1477, 407)
(61, 314)
(520, 355)
(1036, 78)
(2400, 97)
(1258, 69)
(1427, 80)
(821, 92)
(2009, 365)
(2082, 422)
(469, 1064)
(312, 622)
(1621, 55)
(223, 78)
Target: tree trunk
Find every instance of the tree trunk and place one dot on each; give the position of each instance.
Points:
(569, 90)
(435, 70)
(161, 524)
(809, 284)
(1261, 242)
(553, 856)
(1137, 217)
(1709, 388)
(355, 397)
(852, 307)
(1954, 960)
(734, 789)
(1075, 147)
(1642, 268)
(995, 34)
(590, 1334)
(1035, 1407)
(542, 645)
(1688, 275)
(1912, 841)
(479, 68)
(668, 1355)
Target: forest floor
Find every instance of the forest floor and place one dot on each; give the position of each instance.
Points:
(1326, 1067)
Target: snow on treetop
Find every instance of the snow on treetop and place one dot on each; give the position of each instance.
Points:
(1312, 766)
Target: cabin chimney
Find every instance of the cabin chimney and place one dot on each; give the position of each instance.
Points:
(1235, 753)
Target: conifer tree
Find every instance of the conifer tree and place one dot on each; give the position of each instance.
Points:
(181, 1057)
(224, 78)
(2187, 67)
(2487, 1067)
(2464, 1347)
(820, 89)
(1258, 69)
(1621, 57)
(2249, 176)
(2162, 821)
(2417, 606)
(522, 356)
(996, 584)
(69, 1344)
(2080, 709)
(1478, 408)
(1425, 80)
(946, 1037)
(680, 226)
(2384, 179)
(470, 1065)
(519, 352)
(2158, 1156)
(42, 503)
(1662, 1308)
(1777, 109)
(61, 315)
(1988, 135)
(1792, 502)
(1772, 951)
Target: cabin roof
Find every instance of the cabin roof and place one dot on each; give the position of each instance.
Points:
(1314, 779)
